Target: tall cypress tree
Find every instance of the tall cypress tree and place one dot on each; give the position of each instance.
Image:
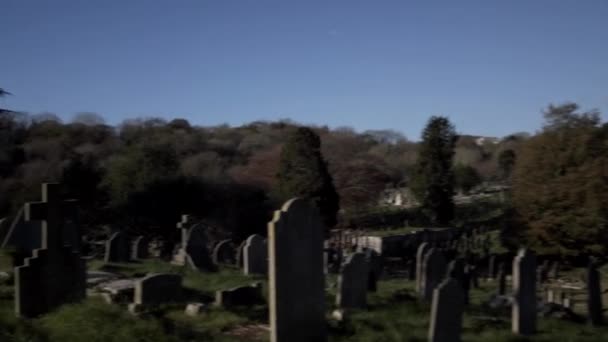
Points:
(303, 173)
(433, 179)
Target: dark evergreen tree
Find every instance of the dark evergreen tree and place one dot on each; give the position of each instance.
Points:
(303, 173)
(433, 179)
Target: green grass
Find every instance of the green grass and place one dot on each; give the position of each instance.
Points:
(394, 314)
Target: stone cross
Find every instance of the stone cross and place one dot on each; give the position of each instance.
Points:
(523, 317)
(352, 282)
(296, 281)
(594, 296)
(54, 274)
(184, 225)
(446, 312)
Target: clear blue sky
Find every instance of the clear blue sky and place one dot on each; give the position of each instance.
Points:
(491, 66)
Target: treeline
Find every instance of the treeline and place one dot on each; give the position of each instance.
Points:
(146, 172)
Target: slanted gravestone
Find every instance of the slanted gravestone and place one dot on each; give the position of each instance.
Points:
(594, 296)
(223, 253)
(296, 280)
(352, 282)
(433, 272)
(240, 296)
(55, 274)
(446, 312)
(139, 248)
(117, 248)
(255, 255)
(422, 249)
(523, 317)
(156, 289)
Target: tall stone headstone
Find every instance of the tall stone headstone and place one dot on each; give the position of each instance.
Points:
(55, 274)
(433, 272)
(523, 318)
(594, 296)
(224, 253)
(352, 282)
(446, 312)
(422, 249)
(117, 248)
(139, 248)
(296, 280)
(255, 253)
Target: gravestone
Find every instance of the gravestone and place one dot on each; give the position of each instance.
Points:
(239, 254)
(193, 251)
(255, 255)
(223, 253)
(433, 272)
(374, 262)
(422, 249)
(352, 282)
(446, 312)
(594, 296)
(492, 270)
(155, 289)
(117, 248)
(502, 279)
(239, 296)
(554, 270)
(55, 274)
(139, 248)
(523, 317)
(296, 280)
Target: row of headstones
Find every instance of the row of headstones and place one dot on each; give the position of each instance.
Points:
(120, 249)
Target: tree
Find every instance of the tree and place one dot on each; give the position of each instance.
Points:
(433, 179)
(506, 162)
(466, 177)
(560, 184)
(303, 173)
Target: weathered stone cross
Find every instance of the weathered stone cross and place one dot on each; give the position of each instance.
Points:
(52, 212)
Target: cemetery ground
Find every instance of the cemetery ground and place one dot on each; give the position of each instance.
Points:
(394, 313)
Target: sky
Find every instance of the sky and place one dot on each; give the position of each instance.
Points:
(490, 66)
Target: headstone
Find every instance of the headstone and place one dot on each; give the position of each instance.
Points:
(139, 248)
(502, 279)
(117, 248)
(55, 274)
(155, 289)
(296, 280)
(523, 318)
(223, 253)
(433, 272)
(239, 254)
(240, 296)
(353, 282)
(194, 251)
(594, 296)
(255, 255)
(422, 249)
(374, 262)
(446, 312)
(554, 271)
(492, 270)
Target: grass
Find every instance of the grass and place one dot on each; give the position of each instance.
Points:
(394, 314)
